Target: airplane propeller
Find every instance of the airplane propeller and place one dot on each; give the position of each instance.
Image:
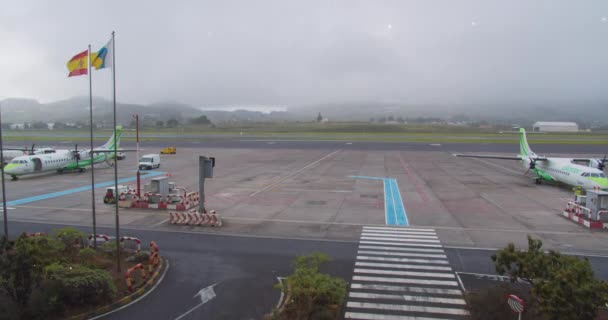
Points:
(76, 154)
(532, 166)
(601, 163)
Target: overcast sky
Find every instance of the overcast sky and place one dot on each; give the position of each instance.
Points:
(282, 53)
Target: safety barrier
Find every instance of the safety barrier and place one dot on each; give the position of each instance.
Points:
(582, 216)
(99, 236)
(35, 234)
(154, 259)
(132, 239)
(195, 218)
(578, 210)
(128, 275)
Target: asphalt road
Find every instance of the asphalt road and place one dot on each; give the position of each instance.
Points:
(244, 269)
(254, 143)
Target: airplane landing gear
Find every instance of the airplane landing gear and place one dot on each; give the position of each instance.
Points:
(81, 170)
(14, 178)
(538, 181)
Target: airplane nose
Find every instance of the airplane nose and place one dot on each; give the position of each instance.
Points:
(9, 167)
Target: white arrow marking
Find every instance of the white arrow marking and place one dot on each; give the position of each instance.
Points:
(206, 294)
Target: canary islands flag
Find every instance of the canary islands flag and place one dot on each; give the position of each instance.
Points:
(103, 58)
(78, 64)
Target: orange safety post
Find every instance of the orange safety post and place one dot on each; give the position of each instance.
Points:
(128, 275)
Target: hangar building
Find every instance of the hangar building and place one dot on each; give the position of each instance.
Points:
(546, 126)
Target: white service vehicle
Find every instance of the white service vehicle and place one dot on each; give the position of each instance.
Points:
(149, 162)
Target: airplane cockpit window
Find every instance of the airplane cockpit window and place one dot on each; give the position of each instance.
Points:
(585, 174)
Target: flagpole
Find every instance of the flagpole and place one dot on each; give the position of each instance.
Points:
(115, 150)
(4, 213)
(92, 155)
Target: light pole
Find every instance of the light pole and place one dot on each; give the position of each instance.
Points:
(136, 116)
(4, 213)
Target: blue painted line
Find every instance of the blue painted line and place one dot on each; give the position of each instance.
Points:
(394, 211)
(149, 174)
(399, 208)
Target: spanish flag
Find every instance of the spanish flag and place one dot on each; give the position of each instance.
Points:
(79, 64)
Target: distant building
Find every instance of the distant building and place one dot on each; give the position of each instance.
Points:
(17, 126)
(547, 126)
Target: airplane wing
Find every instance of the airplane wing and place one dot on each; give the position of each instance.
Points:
(489, 156)
(486, 156)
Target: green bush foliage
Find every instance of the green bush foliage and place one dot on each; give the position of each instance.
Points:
(140, 257)
(564, 286)
(73, 239)
(313, 295)
(79, 285)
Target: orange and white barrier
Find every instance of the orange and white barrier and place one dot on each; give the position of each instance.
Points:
(195, 218)
(36, 234)
(154, 259)
(98, 236)
(131, 239)
(582, 216)
(128, 275)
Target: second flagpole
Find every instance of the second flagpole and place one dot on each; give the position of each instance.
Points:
(91, 154)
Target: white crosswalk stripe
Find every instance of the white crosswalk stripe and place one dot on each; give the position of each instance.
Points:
(403, 273)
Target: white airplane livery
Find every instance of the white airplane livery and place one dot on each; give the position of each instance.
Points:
(588, 173)
(62, 160)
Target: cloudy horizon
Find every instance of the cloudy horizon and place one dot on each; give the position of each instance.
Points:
(278, 53)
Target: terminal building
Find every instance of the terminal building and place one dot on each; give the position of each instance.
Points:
(547, 126)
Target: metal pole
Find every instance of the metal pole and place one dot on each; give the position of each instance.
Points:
(137, 153)
(92, 154)
(115, 162)
(201, 184)
(4, 213)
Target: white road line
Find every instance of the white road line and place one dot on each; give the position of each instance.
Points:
(383, 287)
(400, 266)
(403, 244)
(402, 240)
(385, 259)
(403, 254)
(405, 231)
(401, 249)
(406, 308)
(373, 316)
(159, 223)
(398, 229)
(406, 280)
(294, 173)
(395, 235)
(406, 273)
(364, 295)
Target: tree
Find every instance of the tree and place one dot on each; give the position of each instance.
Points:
(319, 117)
(564, 286)
(312, 294)
(160, 123)
(22, 263)
(172, 123)
(202, 120)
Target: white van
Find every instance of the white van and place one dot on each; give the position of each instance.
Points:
(149, 162)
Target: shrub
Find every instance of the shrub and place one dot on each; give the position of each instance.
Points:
(86, 254)
(313, 295)
(79, 285)
(72, 239)
(140, 257)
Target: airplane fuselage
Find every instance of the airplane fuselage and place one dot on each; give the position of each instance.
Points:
(565, 171)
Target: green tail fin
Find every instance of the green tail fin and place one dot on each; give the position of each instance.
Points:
(110, 144)
(524, 148)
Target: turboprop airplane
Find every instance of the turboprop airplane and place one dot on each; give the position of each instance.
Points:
(11, 153)
(588, 173)
(62, 160)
